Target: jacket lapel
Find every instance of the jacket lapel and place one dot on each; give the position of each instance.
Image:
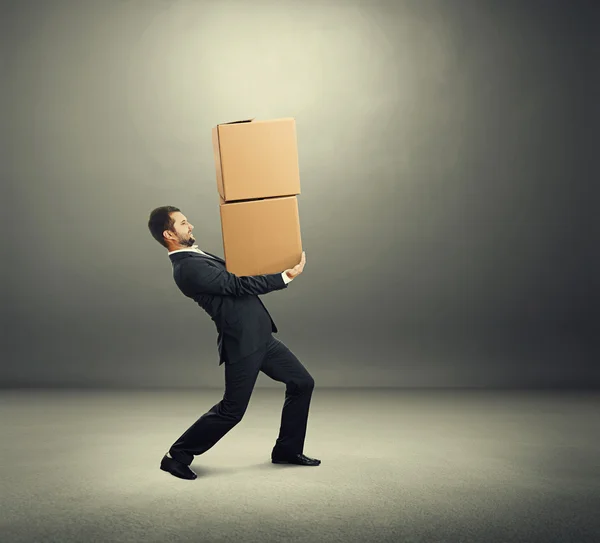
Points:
(215, 257)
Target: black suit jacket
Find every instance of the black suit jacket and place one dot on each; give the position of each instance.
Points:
(243, 322)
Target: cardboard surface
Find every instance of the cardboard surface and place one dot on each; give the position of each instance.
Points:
(256, 159)
(261, 236)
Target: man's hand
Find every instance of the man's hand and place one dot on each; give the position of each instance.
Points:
(297, 270)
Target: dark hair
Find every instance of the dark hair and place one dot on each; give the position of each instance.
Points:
(161, 220)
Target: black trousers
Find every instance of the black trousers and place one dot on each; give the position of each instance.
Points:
(280, 364)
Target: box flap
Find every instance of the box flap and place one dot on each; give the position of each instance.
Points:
(238, 122)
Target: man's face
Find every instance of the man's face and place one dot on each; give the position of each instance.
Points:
(183, 230)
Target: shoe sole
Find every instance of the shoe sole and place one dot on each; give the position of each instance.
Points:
(292, 463)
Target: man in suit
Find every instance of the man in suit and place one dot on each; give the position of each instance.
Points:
(245, 343)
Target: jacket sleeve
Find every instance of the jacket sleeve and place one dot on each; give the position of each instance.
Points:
(201, 277)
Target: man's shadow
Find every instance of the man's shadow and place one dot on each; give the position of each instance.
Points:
(208, 471)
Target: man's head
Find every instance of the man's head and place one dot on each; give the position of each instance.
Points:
(171, 228)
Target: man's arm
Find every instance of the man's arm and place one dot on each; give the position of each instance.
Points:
(201, 277)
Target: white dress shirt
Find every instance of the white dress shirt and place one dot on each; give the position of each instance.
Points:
(196, 249)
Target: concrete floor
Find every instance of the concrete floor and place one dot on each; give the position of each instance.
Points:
(397, 466)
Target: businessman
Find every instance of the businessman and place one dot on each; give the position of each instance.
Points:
(245, 343)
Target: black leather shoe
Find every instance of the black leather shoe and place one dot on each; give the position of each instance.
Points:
(298, 459)
(176, 468)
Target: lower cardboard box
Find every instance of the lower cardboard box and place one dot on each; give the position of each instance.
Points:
(261, 236)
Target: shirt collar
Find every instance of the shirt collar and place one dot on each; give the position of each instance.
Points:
(193, 248)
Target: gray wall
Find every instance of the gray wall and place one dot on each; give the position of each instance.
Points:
(445, 210)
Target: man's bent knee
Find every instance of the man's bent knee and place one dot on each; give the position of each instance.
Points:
(303, 385)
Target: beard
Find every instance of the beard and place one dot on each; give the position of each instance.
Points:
(189, 241)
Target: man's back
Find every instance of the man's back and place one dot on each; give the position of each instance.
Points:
(243, 322)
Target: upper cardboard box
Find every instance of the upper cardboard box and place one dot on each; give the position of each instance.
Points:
(256, 159)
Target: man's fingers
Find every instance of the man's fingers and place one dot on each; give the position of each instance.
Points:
(297, 269)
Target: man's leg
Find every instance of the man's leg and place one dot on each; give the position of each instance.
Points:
(240, 378)
(282, 365)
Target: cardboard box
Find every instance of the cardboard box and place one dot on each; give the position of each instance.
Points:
(256, 159)
(261, 236)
